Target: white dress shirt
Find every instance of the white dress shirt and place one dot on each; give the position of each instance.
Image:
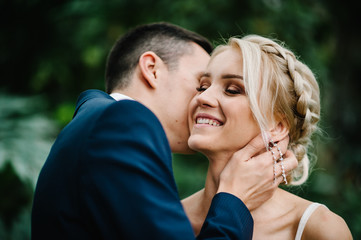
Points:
(119, 96)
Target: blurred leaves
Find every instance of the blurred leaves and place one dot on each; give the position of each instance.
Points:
(26, 135)
(64, 113)
(16, 191)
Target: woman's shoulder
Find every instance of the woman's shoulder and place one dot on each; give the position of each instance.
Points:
(322, 222)
(325, 224)
(297, 204)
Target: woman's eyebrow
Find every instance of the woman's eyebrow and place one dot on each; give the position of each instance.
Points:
(226, 76)
(205, 74)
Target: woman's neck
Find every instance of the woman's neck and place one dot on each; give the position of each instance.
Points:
(198, 204)
(217, 163)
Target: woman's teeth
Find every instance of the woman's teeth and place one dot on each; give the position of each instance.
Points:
(207, 121)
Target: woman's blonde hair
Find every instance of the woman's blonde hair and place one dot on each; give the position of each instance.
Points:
(280, 87)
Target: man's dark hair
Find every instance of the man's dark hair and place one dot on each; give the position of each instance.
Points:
(168, 41)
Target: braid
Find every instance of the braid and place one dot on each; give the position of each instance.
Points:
(307, 114)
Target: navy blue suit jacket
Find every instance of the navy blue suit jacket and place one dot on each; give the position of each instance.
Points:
(109, 176)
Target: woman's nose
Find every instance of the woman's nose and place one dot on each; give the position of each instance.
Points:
(207, 99)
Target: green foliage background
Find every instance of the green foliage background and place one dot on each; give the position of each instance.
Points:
(50, 51)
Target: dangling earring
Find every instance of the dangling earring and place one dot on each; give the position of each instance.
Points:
(270, 147)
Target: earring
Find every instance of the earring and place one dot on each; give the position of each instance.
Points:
(282, 166)
(272, 145)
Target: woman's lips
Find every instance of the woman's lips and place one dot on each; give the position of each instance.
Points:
(207, 119)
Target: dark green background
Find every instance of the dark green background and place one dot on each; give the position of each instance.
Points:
(50, 51)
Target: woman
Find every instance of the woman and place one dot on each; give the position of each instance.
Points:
(255, 85)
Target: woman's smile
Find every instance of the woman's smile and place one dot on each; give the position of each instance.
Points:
(203, 119)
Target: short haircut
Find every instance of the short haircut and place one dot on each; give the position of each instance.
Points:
(168, 41)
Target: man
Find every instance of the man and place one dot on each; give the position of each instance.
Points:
(109, 176)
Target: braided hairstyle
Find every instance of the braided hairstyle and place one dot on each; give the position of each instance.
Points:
(280, 87)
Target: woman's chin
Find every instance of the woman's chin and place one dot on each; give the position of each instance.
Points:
(198, 145)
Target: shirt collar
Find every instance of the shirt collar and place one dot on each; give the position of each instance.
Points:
(119, 96)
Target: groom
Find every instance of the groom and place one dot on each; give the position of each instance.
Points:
(109, 172)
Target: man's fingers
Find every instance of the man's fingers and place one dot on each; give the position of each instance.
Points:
(290, 161)
(278, 149)
(256, 145)
(285, 167)
(283, 144)
(278, 180)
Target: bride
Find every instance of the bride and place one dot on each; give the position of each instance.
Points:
(254, 85)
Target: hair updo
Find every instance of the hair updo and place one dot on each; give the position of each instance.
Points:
(280, 87)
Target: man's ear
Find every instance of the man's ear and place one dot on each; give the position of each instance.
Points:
(280, 130)
(149, 65)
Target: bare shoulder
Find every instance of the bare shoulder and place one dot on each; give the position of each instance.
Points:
(324, 224)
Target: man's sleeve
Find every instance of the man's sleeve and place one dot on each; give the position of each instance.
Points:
(127, 185)
(228, 218)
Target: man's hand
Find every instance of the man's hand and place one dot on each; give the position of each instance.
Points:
(249, 174)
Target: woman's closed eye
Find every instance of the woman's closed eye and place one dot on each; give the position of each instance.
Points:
(202, 87)
(234, 91)
(204, 83)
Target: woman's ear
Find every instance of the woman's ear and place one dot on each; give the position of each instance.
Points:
(149, 65)
(280, 130)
